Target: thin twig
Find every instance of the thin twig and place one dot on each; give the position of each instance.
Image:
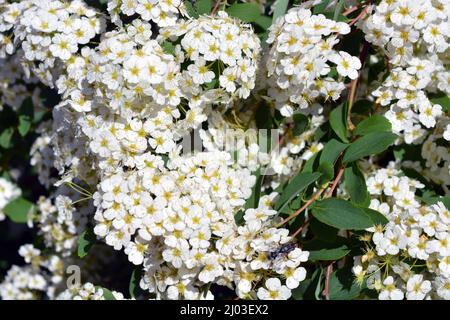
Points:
(329, 194)
(302, 227)
(354, 84)
(350, 10)
(326, 291)
(361, 15)
(335, 182)
(216, 7)
(306, 205)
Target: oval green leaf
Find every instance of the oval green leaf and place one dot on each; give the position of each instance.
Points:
(341, 214)
(295, 186)
(372, 143)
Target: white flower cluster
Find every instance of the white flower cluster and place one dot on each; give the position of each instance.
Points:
(59, 223)
(436, 156)
(162, 12)
(8, 193)
(87, 291)
(120, 72)
(42, 155)
(13, 84)
(220, 54)
(180, 224)
(301, 60)
(410, 255)
(414, 37)
(48, 32)
(22, 283)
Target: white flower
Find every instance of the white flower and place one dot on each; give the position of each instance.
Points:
(390, 291)
(63, 46)
(274, 290)
(294, 276)
(347, 65)
(200, 72)
(417, 288)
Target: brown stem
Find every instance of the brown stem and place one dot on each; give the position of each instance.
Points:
(335, 182)
(216, 7)
(329, 194)
(354, 84)
(302, 226)
(306, 205)
(361, 15)
(350, 10)
(326, 292)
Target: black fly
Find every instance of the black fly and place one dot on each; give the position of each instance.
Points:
(282, 251)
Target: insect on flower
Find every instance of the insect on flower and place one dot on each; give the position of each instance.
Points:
(282, 251)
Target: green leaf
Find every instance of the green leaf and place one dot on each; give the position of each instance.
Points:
(323, 231)
(331, 151)
(239, 218)
(85, 241)
(204, 6)
(325, 251)
(253, 201)
(327, 171)
(168, 47)
(301, 123)
(362, 107)
(321, 7)
(355, 185)
(134, 288)
(342, 285)
(431, 199)
(305, 291)
(263, 21)
(26, 115)
(38, 116)
(5, 138)
(247, 12)
(280, 9)
(19, 210)
(375, 123)
(311, 164)
(445, 201)
(338, 10)
(299, 183)
(191, 10)
(24, 125)
(338, 121)
(321, 131)
(376, 217)
(318, 290)
(443, 101)
(372, 143)
(341, 214)
(107, 294)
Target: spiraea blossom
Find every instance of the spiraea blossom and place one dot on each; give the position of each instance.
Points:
(302, 60)
(48, 33)
(409, 256)
(215, 46)
(413, 35)
(164, 13)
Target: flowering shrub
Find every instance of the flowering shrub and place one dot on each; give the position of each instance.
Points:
(225, 149)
